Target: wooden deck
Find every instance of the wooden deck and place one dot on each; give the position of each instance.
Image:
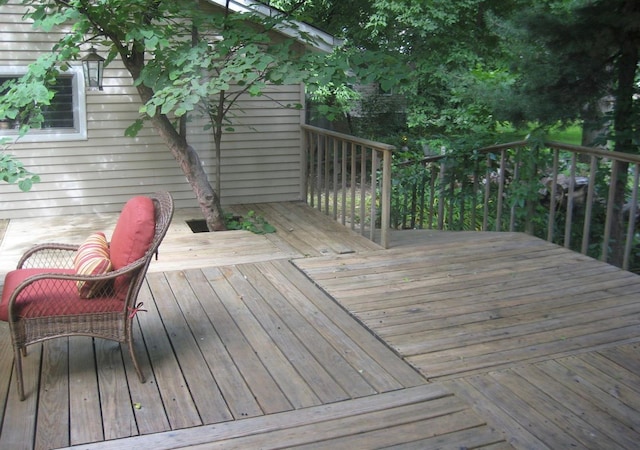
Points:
(314, 337)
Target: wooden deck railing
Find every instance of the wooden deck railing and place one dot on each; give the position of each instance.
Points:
(350, 179)
(585, 199)
(582, 198)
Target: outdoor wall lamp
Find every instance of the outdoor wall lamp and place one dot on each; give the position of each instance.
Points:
(93, 67)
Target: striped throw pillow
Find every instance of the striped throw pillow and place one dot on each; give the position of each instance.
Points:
(92, 258)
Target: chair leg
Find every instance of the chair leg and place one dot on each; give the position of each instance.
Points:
(18, 363)
(132, 352)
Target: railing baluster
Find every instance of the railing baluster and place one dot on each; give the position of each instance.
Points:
(354, 183)
(633, 209)
(604, 254)
(363, 190)
(554, 193)
(476, 189)
(327, 158)
(334, 188)
(569, 212)
(304, 165)
(441, 200)
(374, 189)
(432, 195)
(516, 182)
(452, 199)
(385, 225)
(319, 170)
(343, 208)
(501, 181)
(487, 194)
(422, 194)
(463, 187)
(588, 213)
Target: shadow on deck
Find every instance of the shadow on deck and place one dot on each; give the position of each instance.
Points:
(314, 336)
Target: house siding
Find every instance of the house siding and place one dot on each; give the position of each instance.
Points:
(260, 159)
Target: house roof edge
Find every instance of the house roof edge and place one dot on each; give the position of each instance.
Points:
(321, 40)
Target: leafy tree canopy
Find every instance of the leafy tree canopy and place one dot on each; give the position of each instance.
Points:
(564, 55)
(440, 53)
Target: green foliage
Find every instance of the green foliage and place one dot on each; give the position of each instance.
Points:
(250, 222)
(563, 69)
(13, 171)
(23, 100)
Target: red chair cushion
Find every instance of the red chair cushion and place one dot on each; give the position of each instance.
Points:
(132, 237)
(92, 258)
(50, 297)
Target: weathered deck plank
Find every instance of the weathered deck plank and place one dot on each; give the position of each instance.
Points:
(418, 413)
(117, 412)
(19, 421)
(53, 403)
(482, 302)
(378, 364)
(217, 353)
(163, 364)
(568, 402)
(84, 401)
(167, 288)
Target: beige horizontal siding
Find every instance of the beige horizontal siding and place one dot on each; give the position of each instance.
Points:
(260, 160)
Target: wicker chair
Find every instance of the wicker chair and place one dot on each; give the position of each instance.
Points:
(52, 295)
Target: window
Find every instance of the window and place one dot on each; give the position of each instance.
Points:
(64, 120)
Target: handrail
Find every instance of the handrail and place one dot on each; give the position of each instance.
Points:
(591, 151)
(505, 186)
(349, 138)
(341, 174)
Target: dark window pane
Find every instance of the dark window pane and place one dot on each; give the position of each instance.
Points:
(59, 114)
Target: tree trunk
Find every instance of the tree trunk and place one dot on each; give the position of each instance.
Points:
(595, 125)
(191, 166)
(184, 154)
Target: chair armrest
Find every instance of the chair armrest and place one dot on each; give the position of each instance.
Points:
(49, 255)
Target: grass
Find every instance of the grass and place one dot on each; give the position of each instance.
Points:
(568, 135)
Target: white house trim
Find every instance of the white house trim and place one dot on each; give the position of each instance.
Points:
(321, 40)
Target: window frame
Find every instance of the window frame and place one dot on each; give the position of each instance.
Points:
(79, 130)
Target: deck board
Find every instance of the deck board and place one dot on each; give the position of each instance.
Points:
(314, 337)
(418, 413)
(53, 404)
(283, 361)
(565, 403)
(472, 304)
(84, 401)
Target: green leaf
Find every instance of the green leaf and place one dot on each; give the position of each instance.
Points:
(133, 129)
